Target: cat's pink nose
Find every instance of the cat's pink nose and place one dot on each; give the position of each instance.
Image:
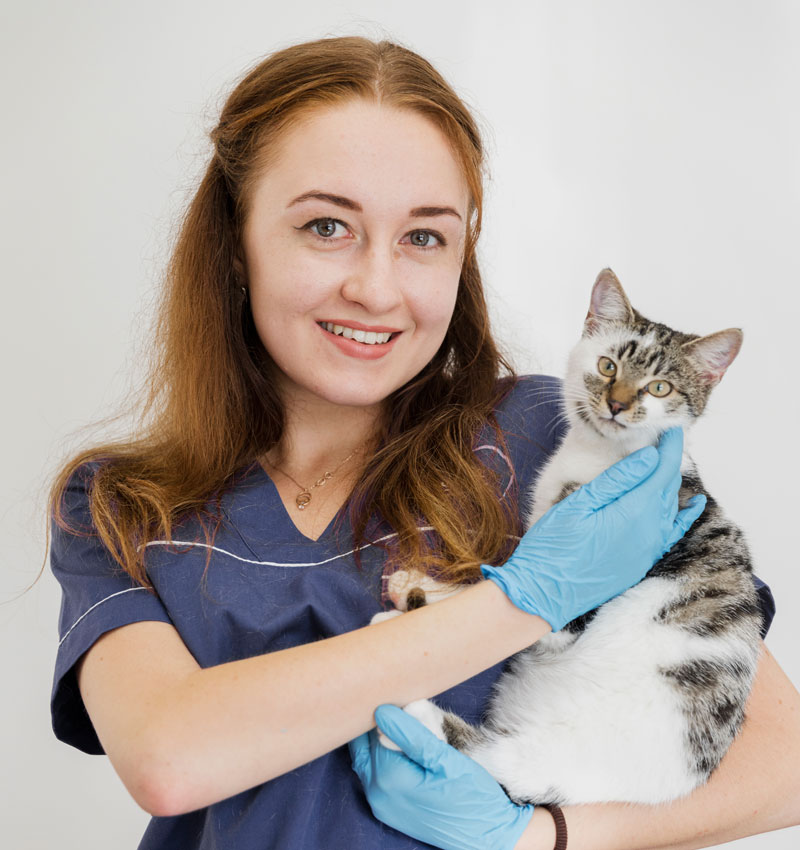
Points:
(615, 406)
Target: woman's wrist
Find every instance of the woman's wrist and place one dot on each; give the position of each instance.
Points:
(517, 619)
(540, 834)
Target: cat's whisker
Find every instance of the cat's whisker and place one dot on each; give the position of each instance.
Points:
(558, 418)
(574, 397)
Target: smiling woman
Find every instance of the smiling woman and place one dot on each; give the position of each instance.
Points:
(328, 404)
(325, 368)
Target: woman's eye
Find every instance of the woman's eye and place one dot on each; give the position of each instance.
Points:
(331, 229)
(659, 388)
(425, 239)
(606, 367)
(327, 228)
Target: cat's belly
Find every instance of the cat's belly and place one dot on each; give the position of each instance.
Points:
(598, 721)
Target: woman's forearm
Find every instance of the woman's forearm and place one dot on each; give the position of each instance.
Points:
(755, 789)
(227, 728)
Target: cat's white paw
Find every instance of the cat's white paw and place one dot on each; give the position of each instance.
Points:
(398, 585)
(427, 713)
(381, 616)
(401, 582)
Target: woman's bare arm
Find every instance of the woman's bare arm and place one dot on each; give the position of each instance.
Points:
(181, 737)
(755, 789)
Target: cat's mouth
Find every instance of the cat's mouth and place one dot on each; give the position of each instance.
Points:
(612, 422)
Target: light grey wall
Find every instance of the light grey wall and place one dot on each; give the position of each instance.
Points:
(660, 138)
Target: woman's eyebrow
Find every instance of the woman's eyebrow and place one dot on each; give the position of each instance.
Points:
(340, 201)
(424, 212)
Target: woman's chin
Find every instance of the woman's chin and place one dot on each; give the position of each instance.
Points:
(342, 394)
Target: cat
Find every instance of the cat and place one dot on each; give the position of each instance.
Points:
(639, 699)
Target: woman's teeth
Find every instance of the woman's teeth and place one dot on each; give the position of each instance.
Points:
(367, 337)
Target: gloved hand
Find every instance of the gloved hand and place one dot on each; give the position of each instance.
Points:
(431, 791)
(602, 538)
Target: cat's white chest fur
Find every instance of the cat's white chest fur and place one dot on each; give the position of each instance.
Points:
(582, 456)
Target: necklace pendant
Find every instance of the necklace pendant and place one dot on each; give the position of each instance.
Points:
(302, 499)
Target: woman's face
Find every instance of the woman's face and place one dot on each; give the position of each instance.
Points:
(353, 246)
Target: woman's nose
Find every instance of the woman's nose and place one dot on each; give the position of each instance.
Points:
(373, 281)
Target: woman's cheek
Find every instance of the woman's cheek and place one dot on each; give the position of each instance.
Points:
(436, 301)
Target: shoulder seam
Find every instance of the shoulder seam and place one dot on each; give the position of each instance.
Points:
(89, 610)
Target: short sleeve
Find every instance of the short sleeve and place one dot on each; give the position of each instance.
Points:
(97, 596)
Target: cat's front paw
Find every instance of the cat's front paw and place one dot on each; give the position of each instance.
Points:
(409, 589)
(405, 589)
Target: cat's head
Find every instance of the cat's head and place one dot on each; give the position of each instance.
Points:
(629, 377)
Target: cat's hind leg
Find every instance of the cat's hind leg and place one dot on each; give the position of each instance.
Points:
(428, 713)
(447, 726)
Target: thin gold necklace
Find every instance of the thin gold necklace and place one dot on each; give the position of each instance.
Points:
(304, 496)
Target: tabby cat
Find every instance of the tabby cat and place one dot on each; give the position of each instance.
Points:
(639, 699)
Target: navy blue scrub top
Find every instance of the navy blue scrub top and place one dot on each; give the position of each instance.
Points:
(268, 588)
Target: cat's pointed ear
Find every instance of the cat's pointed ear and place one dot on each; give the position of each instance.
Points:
(609, 303)
(714, 353)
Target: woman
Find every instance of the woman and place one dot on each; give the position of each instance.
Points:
(328, 405)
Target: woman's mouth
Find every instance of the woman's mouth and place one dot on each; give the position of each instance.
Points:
(365, 337)
(361, 343)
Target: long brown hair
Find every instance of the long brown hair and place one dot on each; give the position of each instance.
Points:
(212, 407)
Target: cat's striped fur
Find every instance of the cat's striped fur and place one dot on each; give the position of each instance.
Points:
(640, 699)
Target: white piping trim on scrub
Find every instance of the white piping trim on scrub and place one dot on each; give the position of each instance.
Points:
(232, 555)
(274, 563)
(508, 464)
(238, 558)
(118, 593)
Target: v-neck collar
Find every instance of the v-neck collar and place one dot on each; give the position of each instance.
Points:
(255, 507)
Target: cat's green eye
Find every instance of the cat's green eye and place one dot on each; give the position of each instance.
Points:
(606, 367)
(659, 388)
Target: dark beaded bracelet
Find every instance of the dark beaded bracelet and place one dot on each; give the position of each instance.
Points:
(561, 826)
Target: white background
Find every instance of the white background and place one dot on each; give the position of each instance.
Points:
(660, 138)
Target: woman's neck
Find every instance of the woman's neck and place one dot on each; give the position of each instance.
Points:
(319, 436)
(319, 459)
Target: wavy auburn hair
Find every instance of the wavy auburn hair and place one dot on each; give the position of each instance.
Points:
(212, 407)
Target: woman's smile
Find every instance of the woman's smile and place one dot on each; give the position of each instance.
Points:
(355, 341)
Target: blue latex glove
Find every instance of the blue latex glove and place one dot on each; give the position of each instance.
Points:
(602, 538)
(431, 791)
